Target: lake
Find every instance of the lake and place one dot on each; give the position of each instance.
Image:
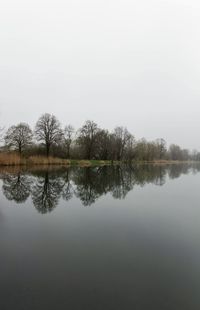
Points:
(108, 238)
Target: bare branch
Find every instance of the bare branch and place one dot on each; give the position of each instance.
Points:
(18, 137)
(48, 131)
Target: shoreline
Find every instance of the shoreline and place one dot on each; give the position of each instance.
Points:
(13, 160)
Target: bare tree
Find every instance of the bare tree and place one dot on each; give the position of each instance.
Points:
(175, 152)
(103, 145)
(68, 137)
(88, 137)
(121, 136)
(161, 145)
(129, 152)
(19, 137)
(48, 131)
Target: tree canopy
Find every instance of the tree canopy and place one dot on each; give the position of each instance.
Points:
(19, 137)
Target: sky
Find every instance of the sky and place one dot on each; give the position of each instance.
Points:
(116, 62)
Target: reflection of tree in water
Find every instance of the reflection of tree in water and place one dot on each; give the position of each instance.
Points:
(195, 168)
(16, 187)
(155, 174)
(91, 183)
(67, 191)
(46, 192)
(175, 171)
(87, 184)
(121, 181)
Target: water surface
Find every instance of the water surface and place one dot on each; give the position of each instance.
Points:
(100, 238)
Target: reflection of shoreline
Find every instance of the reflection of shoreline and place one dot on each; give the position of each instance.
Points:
(47, 186)
(13, 169)
(30, 170)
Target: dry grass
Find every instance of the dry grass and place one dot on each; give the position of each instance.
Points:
(14, 160)
(84, 163)
(11, 159)
(41, 160)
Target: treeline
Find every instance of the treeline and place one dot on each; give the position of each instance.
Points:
(89, 142)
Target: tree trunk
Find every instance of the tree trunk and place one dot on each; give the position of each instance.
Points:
(20, 150)
(47, 150)
(68, 152)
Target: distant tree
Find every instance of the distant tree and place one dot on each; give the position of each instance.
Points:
(185, 154)
(68, 137)
(152, 151)
(19, 137)
(194, 155)
(48, 130)
(197, 157)
(175, 152)
(87, 138)
(103, 147)
(141, 150)
(161, 145)
(130, 149)
(121, 138)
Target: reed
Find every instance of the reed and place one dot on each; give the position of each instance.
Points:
(11, 159)
(42, 160)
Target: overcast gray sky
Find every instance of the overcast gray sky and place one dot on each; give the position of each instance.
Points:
(134, 63)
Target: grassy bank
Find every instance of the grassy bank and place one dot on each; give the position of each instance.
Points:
(13, 159)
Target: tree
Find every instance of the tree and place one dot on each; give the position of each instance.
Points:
(141, 150)
(87, 138)
(161, 144)
(175, 152)
(48, 130)
(19, 137)
(121, 136)
(68, 137)
(102, 148)
(130, 149)
(186, 154)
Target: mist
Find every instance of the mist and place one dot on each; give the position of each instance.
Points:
(129, 63)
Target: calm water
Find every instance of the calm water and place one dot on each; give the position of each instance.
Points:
(100, 238)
